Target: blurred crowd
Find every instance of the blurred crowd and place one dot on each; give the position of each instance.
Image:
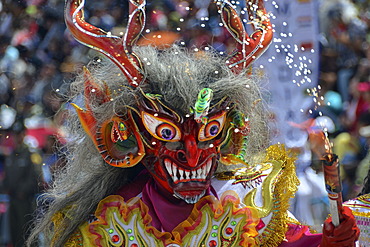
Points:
(345, 81)
(39, 58)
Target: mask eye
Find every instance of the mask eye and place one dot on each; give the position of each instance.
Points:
(161, 128)
(166, 131)
(212, 128)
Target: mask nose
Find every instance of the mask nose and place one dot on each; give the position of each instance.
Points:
(181, 156)
(190, 154)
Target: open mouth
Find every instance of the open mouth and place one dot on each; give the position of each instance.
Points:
(115, 134)
(118, 132)
(181, 175)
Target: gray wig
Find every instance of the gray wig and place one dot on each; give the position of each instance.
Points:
(175, 74)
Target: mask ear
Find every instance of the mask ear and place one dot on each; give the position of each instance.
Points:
(117, 140)
(94, 93)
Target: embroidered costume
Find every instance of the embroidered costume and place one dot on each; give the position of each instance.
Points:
(172, 149)
(360, 207)
(215, 220)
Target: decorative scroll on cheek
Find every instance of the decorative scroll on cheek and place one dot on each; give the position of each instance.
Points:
(119, 143)
(234, 148)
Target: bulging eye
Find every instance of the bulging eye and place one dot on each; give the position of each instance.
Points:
(212, 128)
(166, 131)
(161, 128)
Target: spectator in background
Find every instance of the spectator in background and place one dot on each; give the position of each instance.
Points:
(360, 90)
(21, 185)
(49, 77)
(53, 159)
(346, 36)
(352, 148)
(360, 205)
(5, 85)
(364, 166)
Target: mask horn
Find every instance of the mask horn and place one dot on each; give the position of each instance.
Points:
(117, 49)
(248, 47)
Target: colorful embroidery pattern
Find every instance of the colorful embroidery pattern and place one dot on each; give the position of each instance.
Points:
(212, 223)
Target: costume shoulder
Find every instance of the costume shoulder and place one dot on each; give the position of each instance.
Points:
(267, 188)
(360, 207)
(213, 222)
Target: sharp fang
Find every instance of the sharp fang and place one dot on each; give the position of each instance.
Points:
(181, 171)
(168, 166)
(204, 172)
(174, 176)
(194, 174)
(200, 174)
(187, 173)
(209, 165)
(117, 136)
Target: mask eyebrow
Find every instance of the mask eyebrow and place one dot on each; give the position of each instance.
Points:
(153, 103)
(174, 145)
(205, 144)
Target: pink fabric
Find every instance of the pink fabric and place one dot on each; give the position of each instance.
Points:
(166, 210)
(298, 236)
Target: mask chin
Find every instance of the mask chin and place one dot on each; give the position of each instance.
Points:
(190, 199)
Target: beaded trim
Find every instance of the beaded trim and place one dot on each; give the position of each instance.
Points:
(75, 240)
(360, 207)
(360, 202)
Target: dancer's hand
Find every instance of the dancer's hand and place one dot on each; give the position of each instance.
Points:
(344, 235)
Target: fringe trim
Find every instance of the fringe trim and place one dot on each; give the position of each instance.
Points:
(59, 221)
(285, 188)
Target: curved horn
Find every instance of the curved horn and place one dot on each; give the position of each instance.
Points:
(117, 49)
(249, 48)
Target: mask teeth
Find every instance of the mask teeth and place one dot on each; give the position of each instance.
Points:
(168, 165)
(179, 174)
(114, 134)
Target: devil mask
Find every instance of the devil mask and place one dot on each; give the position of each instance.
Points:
(177, 114)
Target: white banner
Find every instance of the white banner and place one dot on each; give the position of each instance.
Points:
(292, 65)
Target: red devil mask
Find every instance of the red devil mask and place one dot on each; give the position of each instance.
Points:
(181, 152)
